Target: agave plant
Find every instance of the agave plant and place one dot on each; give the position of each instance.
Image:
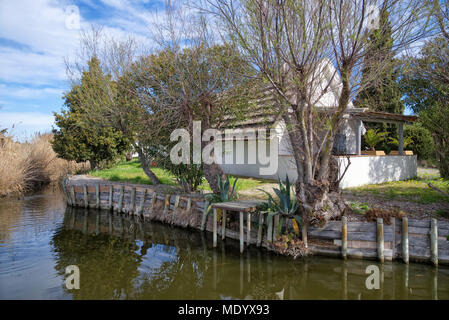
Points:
(285, 205)
(226, 193)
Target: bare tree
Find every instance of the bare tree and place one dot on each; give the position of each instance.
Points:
(305, 49)
(192, 77)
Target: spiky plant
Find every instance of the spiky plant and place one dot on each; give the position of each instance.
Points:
(225, 193)
(285, 205)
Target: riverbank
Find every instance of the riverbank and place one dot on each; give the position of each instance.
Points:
(377, 235)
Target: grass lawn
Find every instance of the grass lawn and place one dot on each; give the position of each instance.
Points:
(132, 172)
(415, 190)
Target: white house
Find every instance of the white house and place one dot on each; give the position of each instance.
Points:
(364, 169)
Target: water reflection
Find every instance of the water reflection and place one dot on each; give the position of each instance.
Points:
(122, 257)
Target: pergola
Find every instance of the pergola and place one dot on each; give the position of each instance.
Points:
(363, 114)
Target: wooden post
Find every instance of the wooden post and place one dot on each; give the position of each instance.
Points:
(167, 204)
(66, 194)
(270, 228)
(120, 201)
(380, 239)
(153, 201)
(405, 256)
(434, 241)
(204, 217)
(189, 204)
(248, 228)
(142, 201)
(133, 200)
(86, 200)
(97, 196)
(72, 193)
(275, 226)
(223, 225)
(111, 193)
(259, 232)
(215, 227)
(401, 138)
(175, 207)
(241, 231)
(344, 237)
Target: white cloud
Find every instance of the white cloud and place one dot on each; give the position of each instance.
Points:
(24, 124)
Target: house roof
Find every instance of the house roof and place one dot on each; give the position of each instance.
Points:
(266, 117)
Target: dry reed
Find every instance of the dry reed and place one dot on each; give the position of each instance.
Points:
(30, 165)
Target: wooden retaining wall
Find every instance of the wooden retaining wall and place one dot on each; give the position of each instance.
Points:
(405, 239)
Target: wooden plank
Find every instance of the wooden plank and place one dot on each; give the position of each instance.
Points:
(111, 194)
(120, 201)
(380, 239)
(419, 230)
(223, 224)
(241, 231)
(405, 248)
(248, 228)
(243, 206)
(142, 202)
(97, 196)
(166, 203)
(153, 201)
(133, 200)
(419, 223)
(204, 216)
(269, 228)
(344, 237)
(259, 231)
(72, 194)
(434, 242)
(86, 200)
(214, 227)
(317, 233)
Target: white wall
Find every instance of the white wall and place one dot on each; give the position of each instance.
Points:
(377, 169)
(363, 169)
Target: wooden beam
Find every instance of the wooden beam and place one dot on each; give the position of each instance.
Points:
(344, 237)
(405, 255)
(215, 227)
(434, 241)
(401, 138)
(380, 239)
(259, 232)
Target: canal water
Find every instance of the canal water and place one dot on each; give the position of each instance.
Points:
(121, 257)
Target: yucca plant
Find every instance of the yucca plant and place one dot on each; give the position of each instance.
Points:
(373, 137)
(285, 205)
(226, 194)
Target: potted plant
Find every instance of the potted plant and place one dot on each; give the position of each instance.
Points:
(406, 142)
(372, 138)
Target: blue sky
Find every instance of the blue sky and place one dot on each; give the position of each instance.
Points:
(36, 36)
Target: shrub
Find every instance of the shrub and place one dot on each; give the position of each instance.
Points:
(421, 141)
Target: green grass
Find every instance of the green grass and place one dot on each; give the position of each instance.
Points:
(415, 190)
(132, 172)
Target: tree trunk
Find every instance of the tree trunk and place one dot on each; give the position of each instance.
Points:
(146, 167)
(211, 172)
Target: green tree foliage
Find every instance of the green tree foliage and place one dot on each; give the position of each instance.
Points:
(80, 137)
(382, 92)
(373, 137)
(420, 141)
(426, 89)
